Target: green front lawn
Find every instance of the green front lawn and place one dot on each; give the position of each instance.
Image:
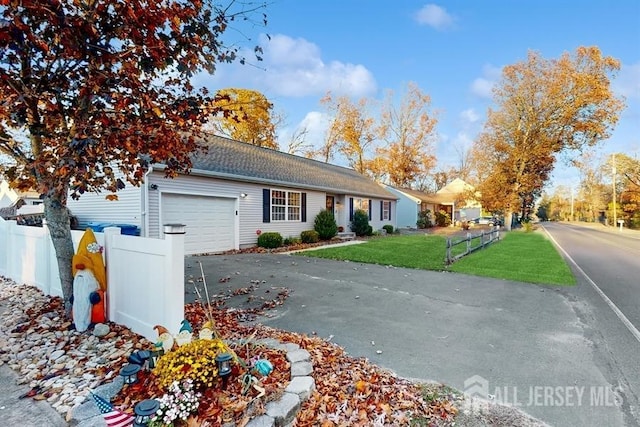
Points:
(518, 256)
(414, 251)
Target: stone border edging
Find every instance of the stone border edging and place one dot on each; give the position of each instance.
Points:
(279, 413)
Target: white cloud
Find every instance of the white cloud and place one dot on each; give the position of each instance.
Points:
(627, 82)
(483, 86)
(434, 16)
(463, 140)
(315, 123)
(469, 116)
(295, 68)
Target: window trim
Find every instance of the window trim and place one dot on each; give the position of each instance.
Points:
(286, 205)
(387, 211)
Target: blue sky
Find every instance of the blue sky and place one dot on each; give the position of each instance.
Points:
(453, 50)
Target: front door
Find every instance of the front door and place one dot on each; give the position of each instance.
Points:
(331, 204)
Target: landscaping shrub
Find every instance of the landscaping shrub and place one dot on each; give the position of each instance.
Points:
(309, 236)
(325, 225)
(360, 224)
(424, 219)
(270, 240)
(388, 228)
(443, 219)
(288, 241)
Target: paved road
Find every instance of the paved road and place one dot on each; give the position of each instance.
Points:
(607, 301)
(610, 258)
(549, 350)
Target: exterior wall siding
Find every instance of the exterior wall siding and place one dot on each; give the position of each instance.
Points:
(93, 207)
(407, 210)
(316, 201)
(375, 222)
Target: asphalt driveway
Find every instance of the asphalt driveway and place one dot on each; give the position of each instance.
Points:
(527, 343)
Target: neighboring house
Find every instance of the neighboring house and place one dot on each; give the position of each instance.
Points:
(450, 199)
(236, 191)
(464, 207)
(412, 202)
(14, 202)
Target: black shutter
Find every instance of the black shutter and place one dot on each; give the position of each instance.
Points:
(266, 205)
(303, 208)
(370, 209)
(390, 209)
(381, 210)
(350, 208)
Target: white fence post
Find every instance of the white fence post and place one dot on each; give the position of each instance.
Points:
(49, 252)
(174, 293)
(4, 247)
(108, 242)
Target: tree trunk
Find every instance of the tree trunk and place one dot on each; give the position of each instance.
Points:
(57, 216)
(507, 220)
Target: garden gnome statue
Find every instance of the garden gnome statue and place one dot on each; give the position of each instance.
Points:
(85, 295)
(89, 283)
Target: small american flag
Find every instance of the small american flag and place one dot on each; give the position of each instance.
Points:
(113, 417)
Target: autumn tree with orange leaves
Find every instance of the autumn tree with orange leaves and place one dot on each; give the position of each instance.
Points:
(543, 108)
(246, 115)
(408, 135)
(352, 132)
(93, 92)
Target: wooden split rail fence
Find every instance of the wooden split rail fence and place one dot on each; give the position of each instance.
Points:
(471, 243)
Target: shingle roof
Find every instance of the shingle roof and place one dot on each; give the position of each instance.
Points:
(231, 159)
(426, 197)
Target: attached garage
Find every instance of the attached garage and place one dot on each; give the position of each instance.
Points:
(210, 221)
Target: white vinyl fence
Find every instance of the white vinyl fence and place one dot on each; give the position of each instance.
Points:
(145, 277)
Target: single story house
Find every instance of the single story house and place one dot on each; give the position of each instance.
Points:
(449, 199)
(465, 207)
(412, 202)
(236, 191)
(14, 202)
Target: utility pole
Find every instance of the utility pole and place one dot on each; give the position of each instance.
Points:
(615, 218)
(571, 202)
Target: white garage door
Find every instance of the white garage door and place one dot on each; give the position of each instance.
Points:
(210, 221)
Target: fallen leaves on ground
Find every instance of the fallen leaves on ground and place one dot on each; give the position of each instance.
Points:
(349, 391)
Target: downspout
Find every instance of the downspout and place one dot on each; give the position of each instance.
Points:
(144, 223)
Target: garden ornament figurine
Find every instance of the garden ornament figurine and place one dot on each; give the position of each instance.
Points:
(89, 283)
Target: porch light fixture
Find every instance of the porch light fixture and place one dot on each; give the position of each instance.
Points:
(144, 411)
(223, 360)
(243, 195)
(129, 373)
(153, 186)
